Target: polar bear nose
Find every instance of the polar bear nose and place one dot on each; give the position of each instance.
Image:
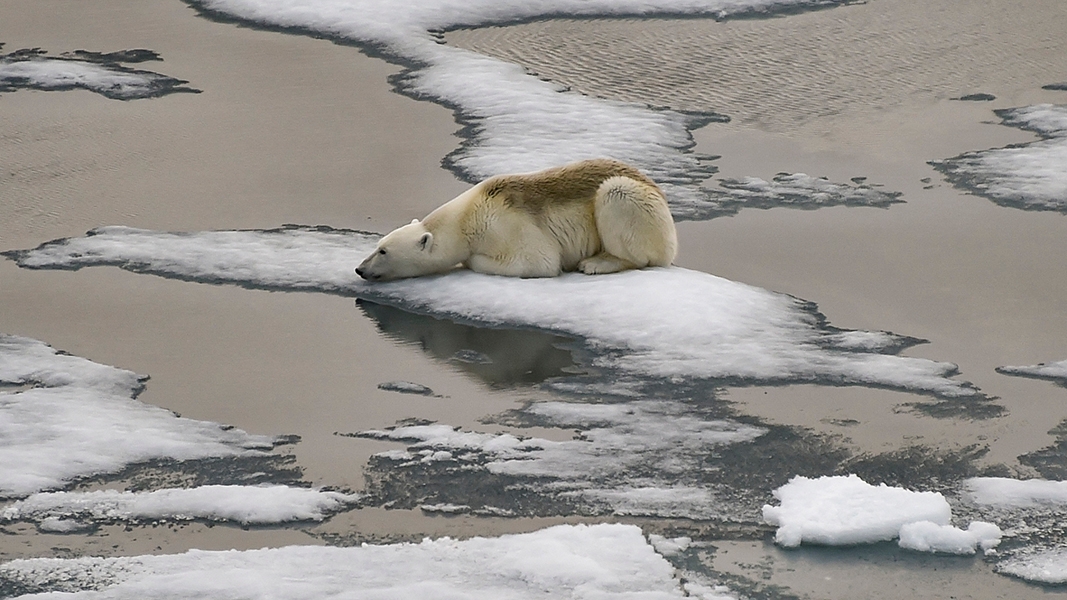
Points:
(359, 271)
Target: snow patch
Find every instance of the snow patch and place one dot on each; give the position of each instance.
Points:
(30, 69)
(1015, 493)
(82, 419)
(661, 323)
(1043, 566)
(1055, 370)
(1030, 176)
(248, 505)
(566, 561)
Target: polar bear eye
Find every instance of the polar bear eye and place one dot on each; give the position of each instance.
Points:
(382, 251)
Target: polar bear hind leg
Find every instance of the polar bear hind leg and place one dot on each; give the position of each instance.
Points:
(635, 228)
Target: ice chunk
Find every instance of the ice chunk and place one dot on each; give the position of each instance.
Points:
(248, 505)
(1030, 176)
(83, 419)
(566, 561)
(926, 536)
(845, 510)
(1004, 492)
(1043, 566)
(661, 323)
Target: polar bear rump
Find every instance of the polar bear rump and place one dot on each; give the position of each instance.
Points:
(595, 216)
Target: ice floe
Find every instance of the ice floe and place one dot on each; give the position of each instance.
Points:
(1055, 371)
(845, 510)
(566, 561)
(516, 122)
(1030, 176)
(248, 505)
(1039, 566)
(81, 418)
(804, 191)
(1004, 492)
(100, 73)
(636, 458)
(660, 323)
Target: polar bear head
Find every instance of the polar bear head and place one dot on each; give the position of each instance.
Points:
(405, 252)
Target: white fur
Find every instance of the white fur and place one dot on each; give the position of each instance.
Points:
(624, 224)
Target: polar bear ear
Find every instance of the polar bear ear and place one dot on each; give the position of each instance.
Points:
(413, 221)
(426, 241)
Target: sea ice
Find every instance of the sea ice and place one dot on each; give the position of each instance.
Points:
(660, 323)
(34, 71)
(1031, 176)
(516, 121)
(1055, 370)
(1040, 566)
(845, 510)
(82, 418)
(567, 561)
(1015, 493)
(636, 458)
(248, 505)
(926, 536)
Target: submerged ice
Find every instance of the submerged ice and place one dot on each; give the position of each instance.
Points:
(81, 418)
(642, 457)
(518, 122)
(567, 561)
(653, 323)
(1030, 176)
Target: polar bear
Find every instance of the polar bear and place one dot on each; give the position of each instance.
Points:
(594, 216)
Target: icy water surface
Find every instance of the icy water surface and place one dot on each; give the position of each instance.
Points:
(631, 398)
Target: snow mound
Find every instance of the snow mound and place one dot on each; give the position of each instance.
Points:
(845, 510)
(81, 418)
(661, 323)
(926, 536)
(566, 561)
(248, 505)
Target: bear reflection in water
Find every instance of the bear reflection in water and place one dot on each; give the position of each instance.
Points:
(500, 357)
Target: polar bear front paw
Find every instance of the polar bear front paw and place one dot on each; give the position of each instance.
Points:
(603, 263)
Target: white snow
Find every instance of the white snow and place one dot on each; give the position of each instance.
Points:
(661, 323)
(568, 561)
(1044, 566)
(1030, 175)
(248, 505)
(1055, 370)
(845, 510)
(618, 440)
(926, 536)
(59, 73)
(82, 419)
(1015, 493)
(519, 122)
